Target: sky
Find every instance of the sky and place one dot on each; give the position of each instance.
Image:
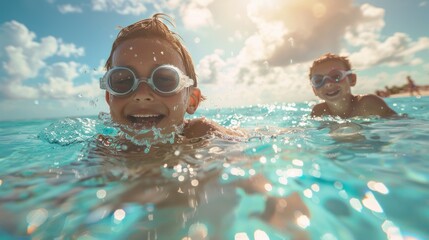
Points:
(246, 52)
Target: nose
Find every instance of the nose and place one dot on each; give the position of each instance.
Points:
(328, 84)
(143, 93)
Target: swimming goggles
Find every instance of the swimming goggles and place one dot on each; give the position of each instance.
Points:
(165, 80)
(335, 75)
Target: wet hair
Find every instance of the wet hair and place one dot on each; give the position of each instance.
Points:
(331, 57)
(154, 27)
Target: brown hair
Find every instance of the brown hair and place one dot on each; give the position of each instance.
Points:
(154, 27)
(329, 57)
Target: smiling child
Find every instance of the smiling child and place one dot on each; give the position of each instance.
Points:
(151, 83)
(332, 78)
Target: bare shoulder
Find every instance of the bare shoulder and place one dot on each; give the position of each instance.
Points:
(200, 127)
(373, 105)
(319, 110)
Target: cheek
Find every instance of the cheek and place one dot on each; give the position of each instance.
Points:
(180, 102)
(182, 98)
(317, 92)
(115, 104)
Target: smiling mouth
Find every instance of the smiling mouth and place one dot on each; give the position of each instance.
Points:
(332, 93)
(145, 120)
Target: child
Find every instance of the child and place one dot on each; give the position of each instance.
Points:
(332, 79)
(151, 83)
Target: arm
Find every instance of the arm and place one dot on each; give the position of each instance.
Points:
(202, 126)
(319, 110)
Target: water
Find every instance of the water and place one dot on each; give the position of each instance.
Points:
(295, 178)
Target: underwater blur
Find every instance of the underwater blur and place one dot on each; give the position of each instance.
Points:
(294, 178)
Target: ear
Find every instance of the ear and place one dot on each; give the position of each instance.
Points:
(352, 79)
(194, 100)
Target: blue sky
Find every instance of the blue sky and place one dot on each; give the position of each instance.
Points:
(245, 51)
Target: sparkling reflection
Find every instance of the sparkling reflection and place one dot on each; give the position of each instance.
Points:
(371, 203)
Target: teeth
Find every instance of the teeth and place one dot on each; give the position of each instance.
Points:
(144, 115)
(332, 92)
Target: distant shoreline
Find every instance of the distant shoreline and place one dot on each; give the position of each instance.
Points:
(424, 91)
(404, 92)
(407, 94)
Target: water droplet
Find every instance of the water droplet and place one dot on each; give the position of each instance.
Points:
(197, 40)
(101, 194)
(119, 214)
(135, 55)
(162, 52)
(131, 48)
(198, 231)
(79, 95)
(194, 182)
(36, 102)
(154, 59)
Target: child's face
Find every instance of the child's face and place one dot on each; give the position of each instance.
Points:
(332, 91)
(144, 108)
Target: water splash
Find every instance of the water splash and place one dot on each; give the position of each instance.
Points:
(136, 136)
(69, 131)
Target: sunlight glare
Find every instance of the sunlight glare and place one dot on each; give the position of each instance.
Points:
(371, 203)
(241, 236)
(378, 187)
(392, 231)
(261, 235)
(119, 214)
(303, 221)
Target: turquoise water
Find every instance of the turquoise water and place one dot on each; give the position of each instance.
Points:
(364, 178)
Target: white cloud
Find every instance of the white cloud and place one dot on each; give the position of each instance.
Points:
(70, 49)
(233, 82)
(68, 8)
(15, 33)
(367, 30)
(305, 28)
(124, 7)
(395, 50)
(60, 84)
(23, 58)
(210, 67)
(196, 14)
